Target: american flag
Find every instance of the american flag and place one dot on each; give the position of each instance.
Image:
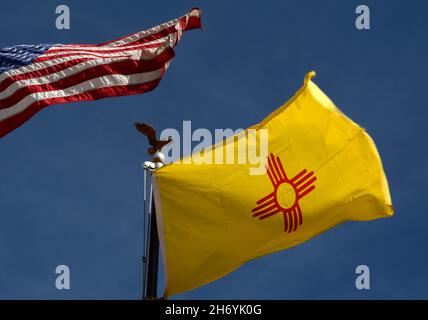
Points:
(33, 77)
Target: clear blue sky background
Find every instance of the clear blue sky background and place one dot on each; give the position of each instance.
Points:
(70, 181)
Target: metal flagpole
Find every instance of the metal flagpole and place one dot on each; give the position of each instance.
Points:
(151, 262)
(145, 236)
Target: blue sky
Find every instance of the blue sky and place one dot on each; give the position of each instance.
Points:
(70, 181)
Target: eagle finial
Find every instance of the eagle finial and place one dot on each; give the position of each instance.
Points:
(150, 133)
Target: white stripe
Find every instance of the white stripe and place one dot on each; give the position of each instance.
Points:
(101, 48)
(101, 55)
(97, 83)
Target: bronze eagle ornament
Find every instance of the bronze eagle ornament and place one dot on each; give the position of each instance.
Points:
(150, 133)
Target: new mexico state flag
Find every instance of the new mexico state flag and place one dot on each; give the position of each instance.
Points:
(322, 169)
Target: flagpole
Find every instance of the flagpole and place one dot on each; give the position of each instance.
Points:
(151, 265)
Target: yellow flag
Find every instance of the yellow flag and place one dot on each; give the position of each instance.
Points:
(321, 169)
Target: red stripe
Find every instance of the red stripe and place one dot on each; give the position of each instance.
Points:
(290, 221)
(193, 22)
(43, 58)
(265, 198)
(278, 173)
(306, 192)
(124, 67)
(14, 122)
(306, 177)
(119, 49)
(268, 214)
(295, 219)
(267, 210)
(281, 168)
(272, 179)
(284, 214)
(307, 184)
(301, 173)
(299, 211)
(150, 37)
(161, 34)
(272, 169)
(263, 205)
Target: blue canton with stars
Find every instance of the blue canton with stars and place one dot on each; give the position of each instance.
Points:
(22, 55)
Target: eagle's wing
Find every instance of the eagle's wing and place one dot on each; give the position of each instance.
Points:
(163, 143)
(148, 131)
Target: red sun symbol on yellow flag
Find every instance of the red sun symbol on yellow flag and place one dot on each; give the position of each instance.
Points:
(286, 194)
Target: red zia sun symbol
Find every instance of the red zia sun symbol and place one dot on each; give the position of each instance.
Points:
(286, 194)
